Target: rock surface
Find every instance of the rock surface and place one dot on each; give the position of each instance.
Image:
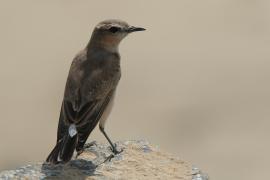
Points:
(139, 160)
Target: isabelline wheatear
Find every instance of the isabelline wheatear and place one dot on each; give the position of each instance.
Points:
(90, 89)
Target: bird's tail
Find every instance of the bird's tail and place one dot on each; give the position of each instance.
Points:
(64, 148)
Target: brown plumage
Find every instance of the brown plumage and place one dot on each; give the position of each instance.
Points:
(90, 87)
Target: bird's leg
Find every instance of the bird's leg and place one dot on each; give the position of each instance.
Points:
(113, 146)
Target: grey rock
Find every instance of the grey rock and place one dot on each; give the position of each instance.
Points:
(139, 160)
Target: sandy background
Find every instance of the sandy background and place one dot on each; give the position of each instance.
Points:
(196, 82)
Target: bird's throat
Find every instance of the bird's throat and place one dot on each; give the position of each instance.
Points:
(107, 42)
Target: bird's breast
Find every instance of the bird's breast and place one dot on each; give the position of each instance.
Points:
(99, 85)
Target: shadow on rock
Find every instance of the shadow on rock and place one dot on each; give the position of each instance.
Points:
(75, 169)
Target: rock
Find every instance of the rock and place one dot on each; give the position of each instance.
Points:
(139, 160)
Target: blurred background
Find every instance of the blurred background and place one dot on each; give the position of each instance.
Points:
(196, 83)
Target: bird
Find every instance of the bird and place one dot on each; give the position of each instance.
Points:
(90, 90)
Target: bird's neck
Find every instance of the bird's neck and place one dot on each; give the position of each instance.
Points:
(105, 42)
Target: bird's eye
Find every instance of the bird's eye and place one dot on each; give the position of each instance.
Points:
(114, 29)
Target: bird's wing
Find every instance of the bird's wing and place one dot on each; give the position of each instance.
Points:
(74, 81)
(85, 119)
(91, 122)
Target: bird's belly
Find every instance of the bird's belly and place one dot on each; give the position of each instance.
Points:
(107, 111)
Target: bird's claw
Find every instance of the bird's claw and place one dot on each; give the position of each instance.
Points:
(88, 145)
(109, 158)
(115, 151)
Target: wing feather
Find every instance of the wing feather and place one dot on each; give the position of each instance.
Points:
(85, 120)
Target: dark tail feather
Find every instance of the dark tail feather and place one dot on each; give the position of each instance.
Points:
(53, 156)
(68, 148)
(63, 150)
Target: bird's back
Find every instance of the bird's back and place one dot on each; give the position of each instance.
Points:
(93, 74)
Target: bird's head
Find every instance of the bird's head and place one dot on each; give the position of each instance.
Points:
(109, 33)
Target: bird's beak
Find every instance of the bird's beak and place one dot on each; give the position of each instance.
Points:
(133, 29)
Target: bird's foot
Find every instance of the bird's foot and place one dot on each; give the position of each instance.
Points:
(87, 145)
(109, 158)
(115, 150)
